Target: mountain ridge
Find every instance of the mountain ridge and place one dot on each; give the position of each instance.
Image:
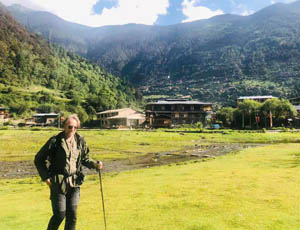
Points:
(62, 81)
(218, 58)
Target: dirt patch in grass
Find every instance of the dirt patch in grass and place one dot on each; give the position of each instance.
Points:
(20, 169)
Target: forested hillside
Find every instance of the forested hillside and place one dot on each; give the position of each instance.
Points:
(217, 59)
(38, 77)
(70, 35)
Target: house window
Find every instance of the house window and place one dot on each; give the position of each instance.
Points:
(192, 108)
(163, 107)
(156, 108)
(176, 115)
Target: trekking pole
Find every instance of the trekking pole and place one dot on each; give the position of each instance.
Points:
(101, 189)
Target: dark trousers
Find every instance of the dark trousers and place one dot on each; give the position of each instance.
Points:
(64, 205)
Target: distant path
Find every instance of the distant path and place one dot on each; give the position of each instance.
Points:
(22, 169)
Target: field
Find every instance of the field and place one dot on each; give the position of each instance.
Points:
(250, 188)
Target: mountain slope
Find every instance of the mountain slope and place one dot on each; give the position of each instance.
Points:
(216, 59)
(35, 76)
(53, 28)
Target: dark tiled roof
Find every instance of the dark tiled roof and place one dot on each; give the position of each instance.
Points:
(297, 107)
(182, 102)
(256, 97)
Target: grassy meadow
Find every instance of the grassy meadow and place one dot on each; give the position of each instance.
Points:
(16, 145)
(256, 188)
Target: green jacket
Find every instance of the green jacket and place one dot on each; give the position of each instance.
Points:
(50, 161)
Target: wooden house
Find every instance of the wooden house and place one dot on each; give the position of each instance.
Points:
(255, 98)
(176, 111)
(121, 118)
(294, 101)
(43, 119)
(4, 113)
(297, 107)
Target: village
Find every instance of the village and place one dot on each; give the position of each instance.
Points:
(169, 113)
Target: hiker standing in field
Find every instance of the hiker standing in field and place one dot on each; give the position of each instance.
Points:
(66, 153)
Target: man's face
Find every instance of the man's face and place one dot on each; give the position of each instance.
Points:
(70, 128)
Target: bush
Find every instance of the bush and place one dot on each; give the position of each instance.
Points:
(199, 125)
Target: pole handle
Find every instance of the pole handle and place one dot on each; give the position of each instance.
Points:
(102, 197)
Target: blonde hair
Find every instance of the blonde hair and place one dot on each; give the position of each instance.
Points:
(74, 117)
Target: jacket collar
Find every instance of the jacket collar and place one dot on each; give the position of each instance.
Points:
(61, 136)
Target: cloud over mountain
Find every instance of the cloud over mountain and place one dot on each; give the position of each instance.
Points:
(97, 13)
(194, 12)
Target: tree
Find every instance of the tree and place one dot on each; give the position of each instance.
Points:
(279, 109)
(286, 110)
(91, 112)
(248, 107)
(225, 115)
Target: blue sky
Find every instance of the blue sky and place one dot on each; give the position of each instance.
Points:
(150, 12)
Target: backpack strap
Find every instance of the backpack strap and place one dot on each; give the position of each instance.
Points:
(53, 147)
(80, 145)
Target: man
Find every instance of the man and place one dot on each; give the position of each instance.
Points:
(65, 154)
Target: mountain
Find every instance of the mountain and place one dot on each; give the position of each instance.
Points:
(216, 59)
(36, 76)
(53, 28)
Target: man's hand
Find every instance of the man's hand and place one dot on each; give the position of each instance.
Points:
(99, 165)
(48, 182)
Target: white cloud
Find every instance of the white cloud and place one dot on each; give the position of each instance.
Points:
(197, 12)
(26, 3)
(135, 11)
(127, 11)
(78, 11)
(247, 12)
(243, 10)
(284, 1)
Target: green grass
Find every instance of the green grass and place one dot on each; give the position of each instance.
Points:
(23, 144)
(257, 188)
(105, 144)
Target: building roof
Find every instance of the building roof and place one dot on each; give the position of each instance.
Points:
(183, 102)
(297, 107)
(45, 114)
(134, 116)
(115, 110)
(255, 97)
(294, 98)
